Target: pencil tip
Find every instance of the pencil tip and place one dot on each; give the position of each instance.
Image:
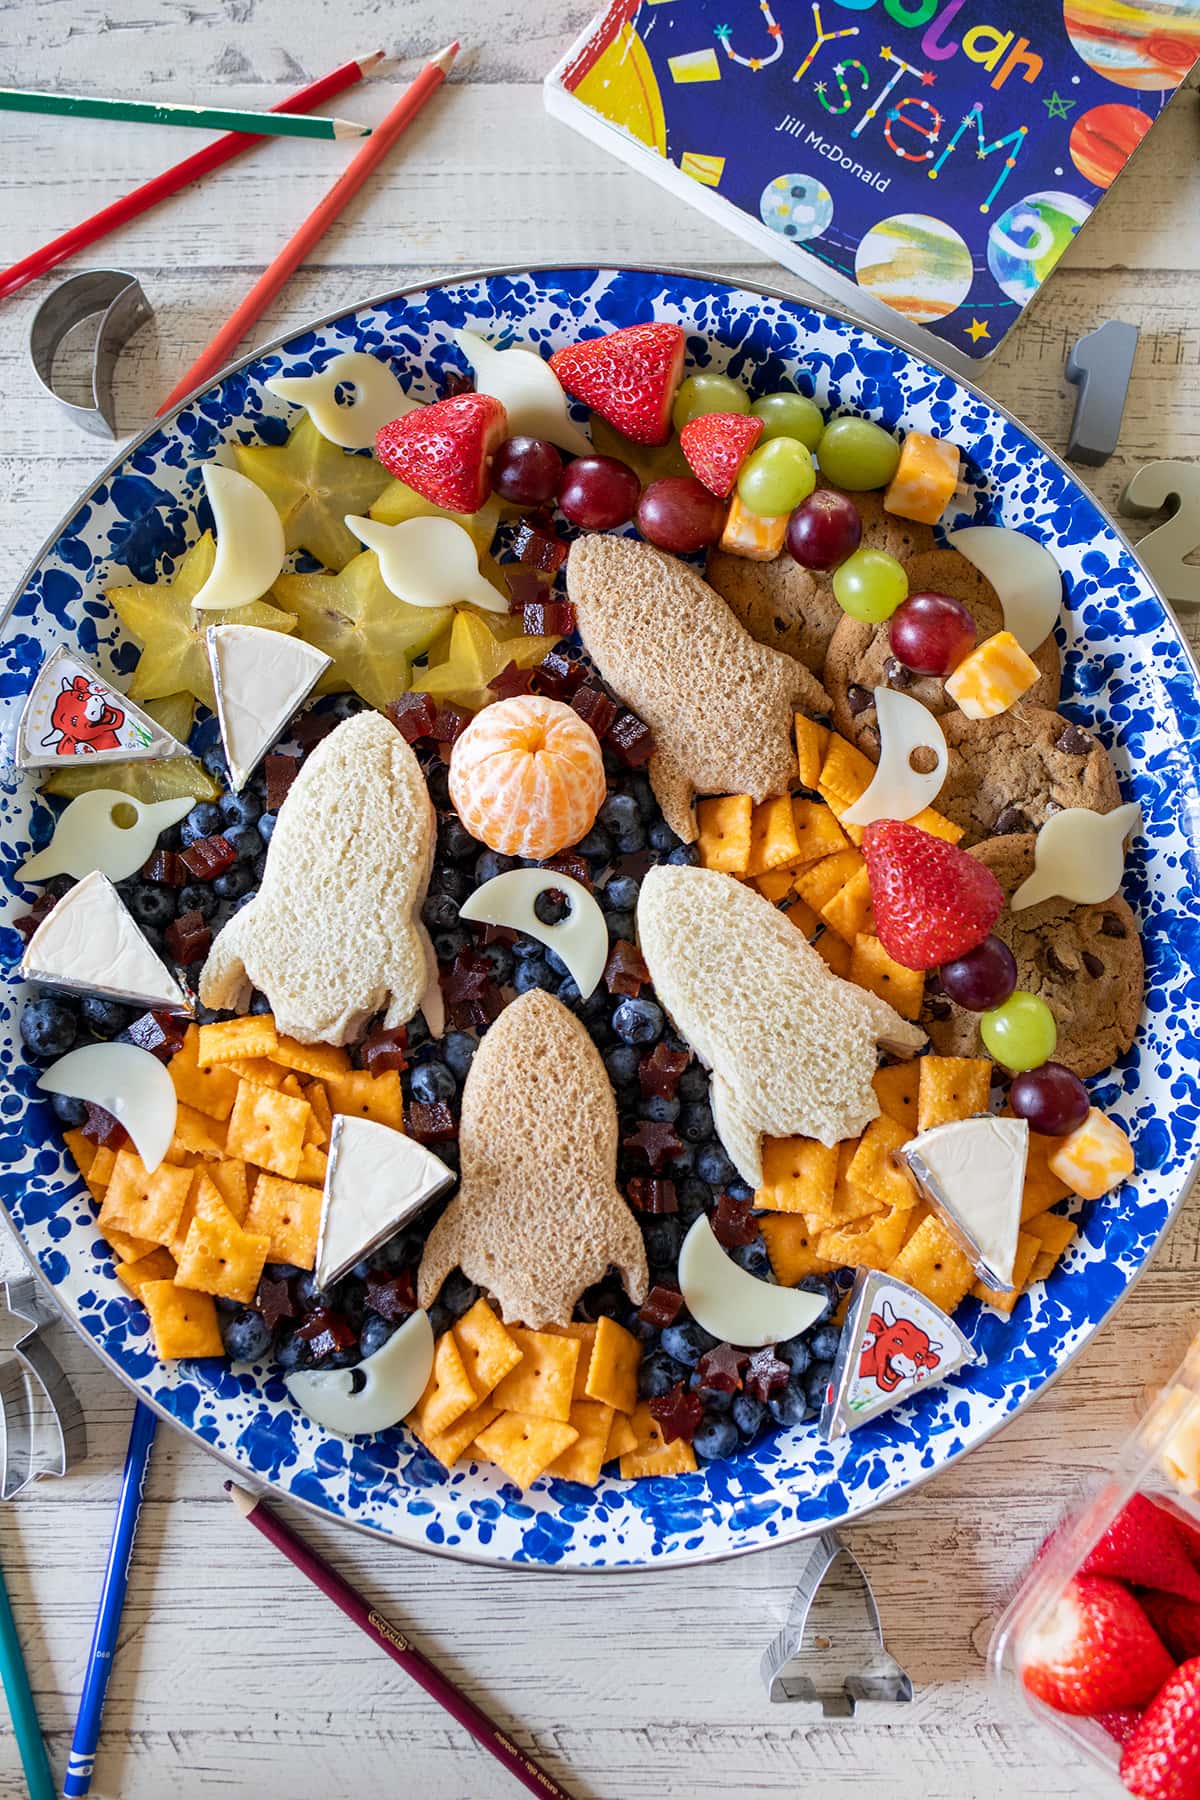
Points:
(370, 62)
(350, 128)
(444, 60)
(244, 1502)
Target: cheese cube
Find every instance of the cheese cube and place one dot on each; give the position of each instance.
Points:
(754, 535)
(925, 479)
(992, 678)
(1094, 1158)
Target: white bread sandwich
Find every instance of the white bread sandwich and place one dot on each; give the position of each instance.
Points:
(538, 1217)
(791, 1046)
(334, 934)
(719, 704)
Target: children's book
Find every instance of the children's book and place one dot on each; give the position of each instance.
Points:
(925, 161)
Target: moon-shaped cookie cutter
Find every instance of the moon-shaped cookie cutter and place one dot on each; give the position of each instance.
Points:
(123, 307)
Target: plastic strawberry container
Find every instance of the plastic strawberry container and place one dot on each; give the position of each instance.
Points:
(1160, 1463)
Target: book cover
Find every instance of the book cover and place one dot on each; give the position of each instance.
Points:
(926, 160)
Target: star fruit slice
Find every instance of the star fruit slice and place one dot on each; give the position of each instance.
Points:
(313, 485)
(169, 779)
(475, 657)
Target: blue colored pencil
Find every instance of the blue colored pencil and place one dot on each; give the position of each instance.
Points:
(19, 1695)
(82, 1759)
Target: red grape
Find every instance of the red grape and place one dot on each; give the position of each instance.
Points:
(983, 978)
(824, 530)
(679, 514)
(598, 492)
(931, 633)
(1052, 1099)
(526, 470)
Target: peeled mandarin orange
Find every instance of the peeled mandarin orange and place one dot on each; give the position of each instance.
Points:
(527, 776)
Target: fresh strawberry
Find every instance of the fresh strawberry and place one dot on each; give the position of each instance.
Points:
(445, 451)
(1121, 1725)
(1095, 1651)
(1143, 1547)
(1161, 1761)
(716, 445)
(932, 901)
(1177, 1623)
(629, 377)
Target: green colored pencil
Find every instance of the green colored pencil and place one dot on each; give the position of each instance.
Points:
(19, 1695)
(204, 118)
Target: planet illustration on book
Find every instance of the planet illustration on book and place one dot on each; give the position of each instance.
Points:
(1136, 43)
(797, 207)
(916, 264)
(1027, 240)
(1103, 140)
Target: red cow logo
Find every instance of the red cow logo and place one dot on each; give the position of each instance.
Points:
(83, 720)
(895, 1350)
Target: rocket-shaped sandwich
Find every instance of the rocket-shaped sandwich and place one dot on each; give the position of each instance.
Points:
(791, 1046)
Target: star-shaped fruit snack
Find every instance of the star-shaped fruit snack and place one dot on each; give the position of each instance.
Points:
(371, 636)
(479, 650)
(313, 485)
(160, 615)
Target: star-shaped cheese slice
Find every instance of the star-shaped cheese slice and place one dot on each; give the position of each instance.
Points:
(161, 616)
(312, 486)
(527, 388)
(376, 1180)
(90, 944)
(370, 636)
(261, 678)
(972, 1172)
(478, 652)
(428, 562)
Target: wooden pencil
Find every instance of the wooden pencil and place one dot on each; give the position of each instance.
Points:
(200, 118)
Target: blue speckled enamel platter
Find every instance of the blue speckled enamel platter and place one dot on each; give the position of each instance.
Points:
(1126, 672)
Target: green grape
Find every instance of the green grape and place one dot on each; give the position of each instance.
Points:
(870, 585)
(701, 394)
(790, 415)
(1021, 1034)
(856, 454)
(776, 477)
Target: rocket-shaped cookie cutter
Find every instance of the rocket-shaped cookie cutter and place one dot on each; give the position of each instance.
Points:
(831, 1651)
(42, 1431)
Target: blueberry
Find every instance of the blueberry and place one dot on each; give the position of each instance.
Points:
(455, 841)
(824, 1342)
(695, 1122)
(534, 972)
(557, 965)
(739, 1190)
(492, 863)
(620, 814)
(258, 868)
(502, 961)
(795, 1352)
(151, 904)
(693, 1083)
(197, 896)
(715, 1437)
(816, 1381)
(551, 908)
(69, 1112)
(236, 881)
(213, 760)
(154, 938)
(458, 1048)
(290, 1354)
(418, 1031)
(440, 1317)
(247, 844)
(247, 1337)
(568, 993)
(621, 894)
(260, 1005)
(620, 925)
(628, 843)
(643, 794)
(659, 1110)
(266, 827)
(693, 1198)
(753, 1258)
(455, 882)
(438, 783)
(458, 1294)
(439, 912)
(48, 1027)
(308, 1293)
(638, 1021)
(449, 944)
(687, 1342)
(659, 836)
(203, 821)
(281, 1271)
(663, 1234)
(240, 810)
(682, 1161)
(687, 856)
(747, 1414)
(105, 1017)
(713, 1166)
(596, 846)
(659, 1372)
(374, 1334)
(432, 1081)
(715, 1401)
(792, 1405)
(525, 947)
(622, 1063)
(819, 1284)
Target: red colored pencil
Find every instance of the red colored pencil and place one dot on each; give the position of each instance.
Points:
(160, 187)
(394, 1644)
(218, 353)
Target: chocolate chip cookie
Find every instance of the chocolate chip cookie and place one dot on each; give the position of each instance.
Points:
(1084, 961)
(780, 603)
(860, 656)
(1010, 773)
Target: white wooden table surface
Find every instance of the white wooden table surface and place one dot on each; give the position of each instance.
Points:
(233, 1676)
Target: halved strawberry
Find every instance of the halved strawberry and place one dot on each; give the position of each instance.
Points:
(1177, 1622)
(716, 445)
(1162, 1757)
(629, 377)
(445, 451)
(1094, 1651)
(1143, 1547)
(932, 901)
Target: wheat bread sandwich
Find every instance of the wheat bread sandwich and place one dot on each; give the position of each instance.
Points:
(538, 1217)
(334, 934)
(790, 1045)
(719, 704)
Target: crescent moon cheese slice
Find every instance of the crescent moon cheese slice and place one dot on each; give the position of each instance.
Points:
(387, 1387)
(734, 1305)
(250, 548)
(127, 1082)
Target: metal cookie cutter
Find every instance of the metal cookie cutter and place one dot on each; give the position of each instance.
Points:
(831, 1652)
(42, 1431)
(123, 306)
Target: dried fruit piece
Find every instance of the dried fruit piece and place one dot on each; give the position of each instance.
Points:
(512, 681)
(661, 1306)
(625, 972)
(561, 672)
(678, 1412)
(325, 1332)
(431, 1122)
(413, 715)
(733, 1222)
(631, 739)
(766, 1374)
(101, 1128)
(720, 1370)
(209, 857)
(651, 1195)
(548, 618)
(165, 867)
(393, 1297)
(188, 938)
(385, 1048)
(594, 707)
(655, 1143)
(274, 1302)
(539, 549)
(658, 1073)
(162, 1034)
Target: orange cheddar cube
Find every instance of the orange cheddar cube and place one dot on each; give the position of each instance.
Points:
(1094, 1158)
(757, 536)
(992, 678)
(925, 479)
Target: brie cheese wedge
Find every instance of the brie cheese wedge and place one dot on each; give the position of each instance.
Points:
(90, 944)
(261, 678)
(972, 1172)
(376, 1180)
